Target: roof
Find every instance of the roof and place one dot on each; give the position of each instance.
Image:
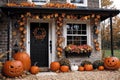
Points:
(105, 13)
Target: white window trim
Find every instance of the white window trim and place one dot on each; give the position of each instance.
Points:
(77, 22)
(78, 4)
(39, 3)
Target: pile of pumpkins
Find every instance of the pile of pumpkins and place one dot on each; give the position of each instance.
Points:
(21, 62)
(109, 63)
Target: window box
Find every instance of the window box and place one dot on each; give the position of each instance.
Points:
(74, 54)
(78, 50)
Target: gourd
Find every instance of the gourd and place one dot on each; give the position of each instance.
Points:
(74, 67)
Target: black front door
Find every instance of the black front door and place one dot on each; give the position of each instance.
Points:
(39, 36)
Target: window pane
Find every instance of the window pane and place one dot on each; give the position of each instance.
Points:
(69, 29)
(76, 34)
(39, 1)
(77, 1)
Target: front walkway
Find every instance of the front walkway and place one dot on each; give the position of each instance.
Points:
(84, 75)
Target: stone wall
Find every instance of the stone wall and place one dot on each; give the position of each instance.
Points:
(3, 36)
(91, 3)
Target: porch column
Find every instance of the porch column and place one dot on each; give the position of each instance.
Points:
(9, 36)
(111, 36)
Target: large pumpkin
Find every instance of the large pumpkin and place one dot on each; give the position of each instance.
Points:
(111, 63)
(54, 66)
(24, 58)
(13, 68)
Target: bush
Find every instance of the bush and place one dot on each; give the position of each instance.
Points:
(85, 62)
(97, 63)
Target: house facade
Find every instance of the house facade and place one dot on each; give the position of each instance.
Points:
(45, 28)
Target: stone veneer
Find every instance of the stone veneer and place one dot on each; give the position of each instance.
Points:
(91, 3)
(3, 31)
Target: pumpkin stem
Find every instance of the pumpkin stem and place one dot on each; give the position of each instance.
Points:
(35, 63)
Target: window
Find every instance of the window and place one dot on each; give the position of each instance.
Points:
(39, 2)
(82, 3)
(76, 34)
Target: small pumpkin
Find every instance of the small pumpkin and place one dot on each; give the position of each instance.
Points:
(96, 31)
(13, 68)
(24, 58)
(101, 68)
(21, 28)
(81, 68)
(54, 66)
(64, 68)
(88, 67)
(59, 49)
(112, 63)
(74, 67)
(34, 69)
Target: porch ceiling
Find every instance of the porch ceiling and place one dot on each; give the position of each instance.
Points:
(105, 13)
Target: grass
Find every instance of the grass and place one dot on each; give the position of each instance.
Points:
(108, 53)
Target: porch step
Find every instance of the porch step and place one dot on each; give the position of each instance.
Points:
(44, 69)
(46, 73)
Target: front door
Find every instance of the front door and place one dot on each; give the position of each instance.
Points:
(39, 38)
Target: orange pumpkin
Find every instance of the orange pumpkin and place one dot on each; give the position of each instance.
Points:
(64, 68)
(112, 63)
(81, 68)
(24, 58)
(13, 68)
(101, 68)
(34, 69)
(88, 67)
(54, 66)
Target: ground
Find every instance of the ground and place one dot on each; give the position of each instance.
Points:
(77, 75)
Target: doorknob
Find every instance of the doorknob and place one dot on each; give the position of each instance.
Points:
(28, 42)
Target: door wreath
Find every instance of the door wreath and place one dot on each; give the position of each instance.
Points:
(39, 33)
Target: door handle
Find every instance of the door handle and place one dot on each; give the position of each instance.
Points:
(28, 42)
(50, 46)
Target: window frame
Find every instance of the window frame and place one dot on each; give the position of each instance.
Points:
(88, 34)
(39, 3)
(79, 4)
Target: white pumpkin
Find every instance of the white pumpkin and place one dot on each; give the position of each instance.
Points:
(74, 67)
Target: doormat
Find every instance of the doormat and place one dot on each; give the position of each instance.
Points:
(46, 73)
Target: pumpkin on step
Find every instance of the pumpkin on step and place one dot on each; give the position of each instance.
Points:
(74, 67)
(24, 58)
(112, 63)
(13, 68)
(34, 69)
(64, 68)
(88, 67)
(54, 66)
(81, 68)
